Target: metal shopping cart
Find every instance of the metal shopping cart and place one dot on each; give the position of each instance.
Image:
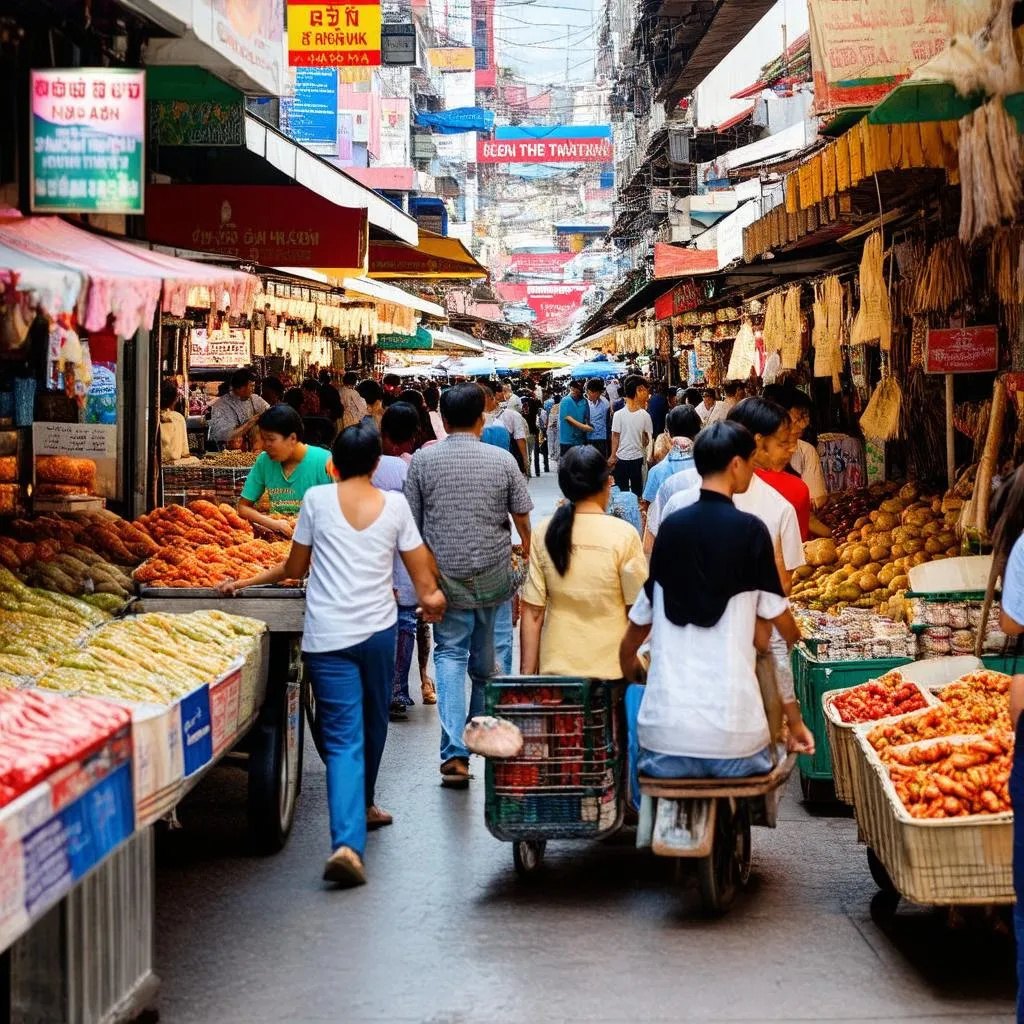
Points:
(570, 780)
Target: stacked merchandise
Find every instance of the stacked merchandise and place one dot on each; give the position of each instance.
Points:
(949, 624)
(855, 634)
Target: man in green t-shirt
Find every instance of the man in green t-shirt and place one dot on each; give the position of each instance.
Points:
(285, 470)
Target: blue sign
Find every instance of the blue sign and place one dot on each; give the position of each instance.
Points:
(196, 730)
(562, 131)
(311, 115)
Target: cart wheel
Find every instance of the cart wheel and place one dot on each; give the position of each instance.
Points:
(720, 873)
(880, 875)
(275, 761)
(528, 856)
(309, 711)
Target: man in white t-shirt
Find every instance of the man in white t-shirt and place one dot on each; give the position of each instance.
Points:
(632, 432)
(702, 713)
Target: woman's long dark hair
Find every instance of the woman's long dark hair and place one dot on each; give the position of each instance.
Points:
(415, 399)
(582, 474)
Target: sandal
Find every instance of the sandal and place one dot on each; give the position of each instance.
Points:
(428, 691)
(455, 773)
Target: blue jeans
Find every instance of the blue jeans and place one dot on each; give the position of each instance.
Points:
(669, 766)
(403, 655)
(463, 640)
(503, 638)
(353, 690)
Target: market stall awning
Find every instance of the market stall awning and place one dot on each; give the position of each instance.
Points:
(53, 288)
(389, 293)
(325, 179)
(674, 261)
(456, 340)
(434, 258)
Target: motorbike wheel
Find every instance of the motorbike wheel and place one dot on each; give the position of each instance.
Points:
(727, 867)
(528, 856)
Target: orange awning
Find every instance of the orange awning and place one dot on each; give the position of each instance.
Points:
(436, 258)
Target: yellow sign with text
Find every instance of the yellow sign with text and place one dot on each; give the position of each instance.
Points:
(452, 58)
(334, 35)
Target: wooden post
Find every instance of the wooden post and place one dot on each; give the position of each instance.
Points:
(950, 434)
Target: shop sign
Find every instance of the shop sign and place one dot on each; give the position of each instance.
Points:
(684, 298)
(329, 35)
(398, 45)
(393, 342)
(451, 58)
(310, 116)
(228, 348)
(87, 140)
(861, 50)
(197, 122)
(544, 151)
(963, 350)
(539, 262)
(273, 225)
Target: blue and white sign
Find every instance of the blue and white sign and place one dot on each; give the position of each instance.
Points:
(311, 115)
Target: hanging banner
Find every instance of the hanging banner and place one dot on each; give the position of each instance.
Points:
(962, 350)
(568, 150)
(311, 115)
(394, 132)
(860, 51)
(554, 305)
(451, 58)
(87, 134)
(539, 262)
(274, 225)
(334, 34)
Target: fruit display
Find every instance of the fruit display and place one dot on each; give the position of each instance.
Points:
(154, 657)
(41, 733)
(888, 695)
(210, 564)
(953, 778)
(867, 568)
(970, 706)
(854, 634)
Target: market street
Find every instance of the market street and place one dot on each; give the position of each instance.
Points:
(446, 932)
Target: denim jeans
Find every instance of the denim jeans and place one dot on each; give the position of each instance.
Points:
(463, 640)
(403, 655)
(503, 638)
(353, 690)
(669, 766)
(1017, 799)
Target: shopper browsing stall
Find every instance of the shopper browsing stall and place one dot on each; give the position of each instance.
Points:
(173, 430)
(234, 415)
(285, 470)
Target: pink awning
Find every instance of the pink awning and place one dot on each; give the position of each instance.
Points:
(124, 279)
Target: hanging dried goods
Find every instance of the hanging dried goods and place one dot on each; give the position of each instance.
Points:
(945, 279)
(874, 317)
(774, 330)
(792, 346)
(880, 421)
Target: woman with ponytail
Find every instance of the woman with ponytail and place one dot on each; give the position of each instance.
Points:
(584, 575)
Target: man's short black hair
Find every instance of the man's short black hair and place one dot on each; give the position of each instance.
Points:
(462, 405)
(595, 384)
(794, 398)
(400, 422)
(281, 419)
(370, 391)
(168, 394)
(632, 384)
(683, 421)
(692, 396)
(350, 379)
(734, 387)
(391, 380)
(717, 445)
(490, 387)
(759, 415)
(711, 393)
(274, 386)
(294, 397)
(240, 378)
(577, 382)
(356, 450)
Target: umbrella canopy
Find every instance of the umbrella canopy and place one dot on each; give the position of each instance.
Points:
(541, 362)
(597, 369)
(474, 366)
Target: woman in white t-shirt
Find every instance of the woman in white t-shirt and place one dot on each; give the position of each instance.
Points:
(345, 539)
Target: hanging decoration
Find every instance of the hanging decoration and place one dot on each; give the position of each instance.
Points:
(874, 317)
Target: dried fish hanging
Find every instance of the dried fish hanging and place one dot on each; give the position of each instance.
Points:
(792, 344)
(874, 317)
(744, 353)
(774, 331)
(945, 279)
(880, 421)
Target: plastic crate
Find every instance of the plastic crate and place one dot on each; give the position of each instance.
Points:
(812, 680)
(568, 781)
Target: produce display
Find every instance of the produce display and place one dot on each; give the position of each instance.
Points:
(854, 634)
(41, 733)
(37, 627)
(867, 568)
(67, 569)
(951, 626)
(210, 564)
(888, 695)
(115, 539)
(154, 657)
(236, 459)
(196, 524)
(952, 778)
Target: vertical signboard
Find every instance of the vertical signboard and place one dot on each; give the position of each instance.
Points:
(394, 132)
(87, 140)
(311, 115)
(330, 35)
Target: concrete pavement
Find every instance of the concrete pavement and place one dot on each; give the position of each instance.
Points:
(445, 932)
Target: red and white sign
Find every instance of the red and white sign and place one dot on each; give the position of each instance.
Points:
(684, 297)
(539, 262)
(554, 305)
(544, 151)
(963, 350)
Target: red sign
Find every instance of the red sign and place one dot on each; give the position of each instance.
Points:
(554, 305)
(963, 350)
(544, 151)
(685, 296)
(539, 262)
(275, 225)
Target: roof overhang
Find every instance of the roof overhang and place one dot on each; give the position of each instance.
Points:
(435, 258)
(389, 293)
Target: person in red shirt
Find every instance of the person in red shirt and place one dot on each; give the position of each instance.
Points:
(769, 423)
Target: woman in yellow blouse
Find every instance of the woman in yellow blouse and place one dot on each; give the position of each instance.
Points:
(584, 574)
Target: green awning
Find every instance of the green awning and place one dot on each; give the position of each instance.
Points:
(924, 101)
(421, 341)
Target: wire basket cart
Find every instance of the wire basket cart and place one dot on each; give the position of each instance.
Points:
(569, 781)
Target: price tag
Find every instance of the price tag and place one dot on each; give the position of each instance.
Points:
(87, 440)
